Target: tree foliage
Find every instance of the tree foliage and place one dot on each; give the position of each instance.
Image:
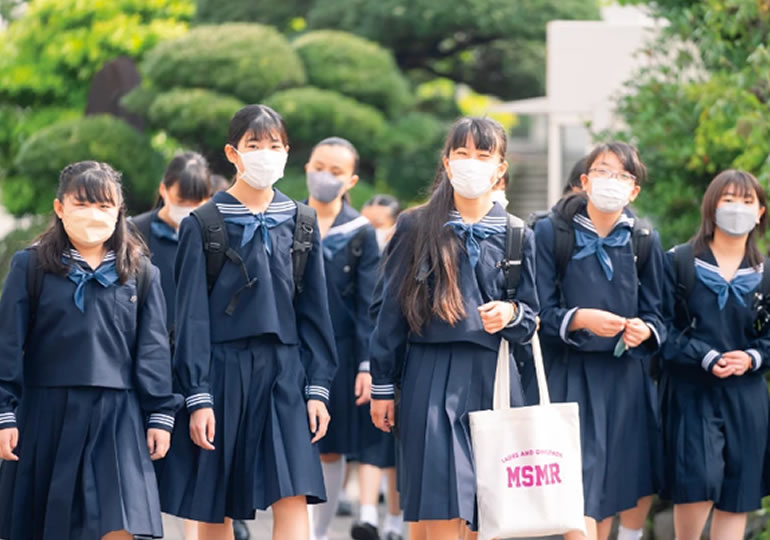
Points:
(702, 108)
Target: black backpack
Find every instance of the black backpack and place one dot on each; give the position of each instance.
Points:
(355, 249)
(35, 274)
(217, 249)
(511, 264)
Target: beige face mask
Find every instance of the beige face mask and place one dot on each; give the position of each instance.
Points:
(90, 226)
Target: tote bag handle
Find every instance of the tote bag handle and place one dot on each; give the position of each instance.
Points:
(502, 392)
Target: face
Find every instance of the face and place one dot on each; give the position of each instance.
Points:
(70, 203)
(171, 196)
(379, 216)
(250, 143)
(732, 195)
(337, 161)
(469, 151)
(609, 165)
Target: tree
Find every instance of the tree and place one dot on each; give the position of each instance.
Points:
(486, 44)
(702, 108)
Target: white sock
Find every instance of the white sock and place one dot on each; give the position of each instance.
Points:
(323, 514)
(369, 514)
(394, 524)
(629, 534)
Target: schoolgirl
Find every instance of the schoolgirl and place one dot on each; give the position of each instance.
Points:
(351, 259)
(85, 373)
(600, 323)
(255, 353)
(186, 185)
(714, 396)
(377, 454)
(443, 314)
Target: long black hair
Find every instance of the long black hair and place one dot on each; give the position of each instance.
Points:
(745, 184)
(93, 182)
(190, 171)
(430, 286)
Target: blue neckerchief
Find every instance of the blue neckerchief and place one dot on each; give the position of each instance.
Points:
(472, 233)
(163, 230)
(106, 275)
(740, 285)
(592, 243)
(263, 222)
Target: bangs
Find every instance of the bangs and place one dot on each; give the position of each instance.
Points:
(480, 131)
(741, 186)
(94, 186)
(268, 127)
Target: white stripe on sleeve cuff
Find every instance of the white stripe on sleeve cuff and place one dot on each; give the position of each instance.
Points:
(318, 391)
(756, 357)
(383, 389)
(7, 418)
(199, 399)
(708, 359)
(564, 329)
(162, 419)
(519, 316)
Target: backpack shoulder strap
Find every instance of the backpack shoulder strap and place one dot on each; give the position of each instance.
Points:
(35, 274)
(642, 242)
(514, 246)
(143, 280)
(765, 286)
(684, 277)
(355, 251)
(215, 243)
(142, 224)
(563, 242)
(303, 243)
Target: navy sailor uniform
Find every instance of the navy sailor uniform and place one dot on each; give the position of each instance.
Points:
(255, 368)
(349, 300)
(619, 419)
(83, 385)
(447, 371)
(715, 430)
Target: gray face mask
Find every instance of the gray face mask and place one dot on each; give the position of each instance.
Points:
(323, 186)
(736, 219)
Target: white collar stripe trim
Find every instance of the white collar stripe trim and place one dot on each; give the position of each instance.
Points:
(348, 227)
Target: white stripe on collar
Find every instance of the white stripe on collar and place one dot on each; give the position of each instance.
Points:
(75, 255)
(348, 227)
(241, 209)
(486, 220)
(585, 222)
(741, 271)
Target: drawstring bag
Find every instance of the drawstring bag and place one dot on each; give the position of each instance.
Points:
(529, 476)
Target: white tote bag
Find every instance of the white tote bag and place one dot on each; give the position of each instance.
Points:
(529, 477)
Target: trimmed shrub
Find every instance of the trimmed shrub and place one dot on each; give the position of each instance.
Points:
(249, 61)
(355, 67)
(32, 184)
(312, 114)
(18, 239)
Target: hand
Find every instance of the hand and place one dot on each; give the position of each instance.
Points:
(740, 361)
(722, 369)
(318, 418)
(202, 428)
(637, 332)
(9, 438)
(363, 388)
(600, 322)
(158, 443)
(384, 414)
(496, 315)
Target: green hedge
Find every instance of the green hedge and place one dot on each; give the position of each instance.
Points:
(355, 67)
(249, 61)
(312, 114)
(18, 239)
(411, 152)
(34, 177)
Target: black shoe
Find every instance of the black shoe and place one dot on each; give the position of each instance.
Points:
(345, 509)
(240, 530)
(393, 536)
(364, 531)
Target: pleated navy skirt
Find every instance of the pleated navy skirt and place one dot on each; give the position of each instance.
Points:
(441, 385)
(83, 471)
(619, 431)
(263, 450)
(343, 435)
(715, 442)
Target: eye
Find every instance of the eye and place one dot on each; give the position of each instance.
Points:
(277, 146)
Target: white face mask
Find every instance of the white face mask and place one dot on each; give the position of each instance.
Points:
(472, 178)
(498, 196)
(177, 213)
(736, 219)
(262, 168)
(383, 235)
(89, 226)
(609, 195)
